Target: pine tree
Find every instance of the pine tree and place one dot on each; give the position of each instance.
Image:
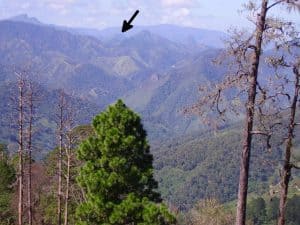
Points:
(117, 176)
(7, 178)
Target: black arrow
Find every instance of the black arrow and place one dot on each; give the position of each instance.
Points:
(127, 25)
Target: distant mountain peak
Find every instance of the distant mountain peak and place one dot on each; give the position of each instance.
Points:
(26, 19)
(175, 33)
(145, 38)
(145, 34)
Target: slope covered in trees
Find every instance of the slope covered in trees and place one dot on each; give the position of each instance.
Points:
(205, 166)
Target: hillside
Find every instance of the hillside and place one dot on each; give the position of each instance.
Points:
(154, 74)
(205, 166)
(157, 81)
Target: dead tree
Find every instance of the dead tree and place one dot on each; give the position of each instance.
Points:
(69, 148)
(29, 149)
(294, 65)
(284, 95)
(266, 28)
(245, 50)
(67, 140)
(250, 108)
(21, 110)
(287, 165)
(66, 119)
(31, 98)
(69, 152)
(61, 107)
(25, 99)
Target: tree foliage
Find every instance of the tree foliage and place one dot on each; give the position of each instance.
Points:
(7, 177)
(265, 212)
(211, 212)
(117, 176)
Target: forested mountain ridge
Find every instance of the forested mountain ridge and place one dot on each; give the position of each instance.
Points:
(204, 166)
(166, 72)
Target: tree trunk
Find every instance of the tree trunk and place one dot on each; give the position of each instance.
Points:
(21, 147)
(61, 108)
(286, 170)
(67, 188)
(29, 202)
(68, 151)
(250, 108)
(59, 173)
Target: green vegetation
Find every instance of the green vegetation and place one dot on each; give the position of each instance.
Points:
(265, 212)
(205, 166)
(260, 211)
(117, 175)
(210, 212)
(7, 177)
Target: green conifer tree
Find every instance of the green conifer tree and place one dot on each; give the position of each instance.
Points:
(117, 175)
(7, 178)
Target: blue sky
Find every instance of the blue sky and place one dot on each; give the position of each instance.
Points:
(210, 14)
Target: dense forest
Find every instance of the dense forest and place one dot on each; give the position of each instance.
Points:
(189, 210)
(96, 129)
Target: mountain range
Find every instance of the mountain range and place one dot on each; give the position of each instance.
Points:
(189, 36)
(151, 68)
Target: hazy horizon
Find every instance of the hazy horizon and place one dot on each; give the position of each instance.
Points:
(112, 27)
(100, 14)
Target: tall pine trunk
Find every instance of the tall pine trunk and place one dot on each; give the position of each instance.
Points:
(250, 108)
(67, 190)
(21, 146)
(59, 191)
(287, 167)
(60, 122)
(29, 176)
(70, 116)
